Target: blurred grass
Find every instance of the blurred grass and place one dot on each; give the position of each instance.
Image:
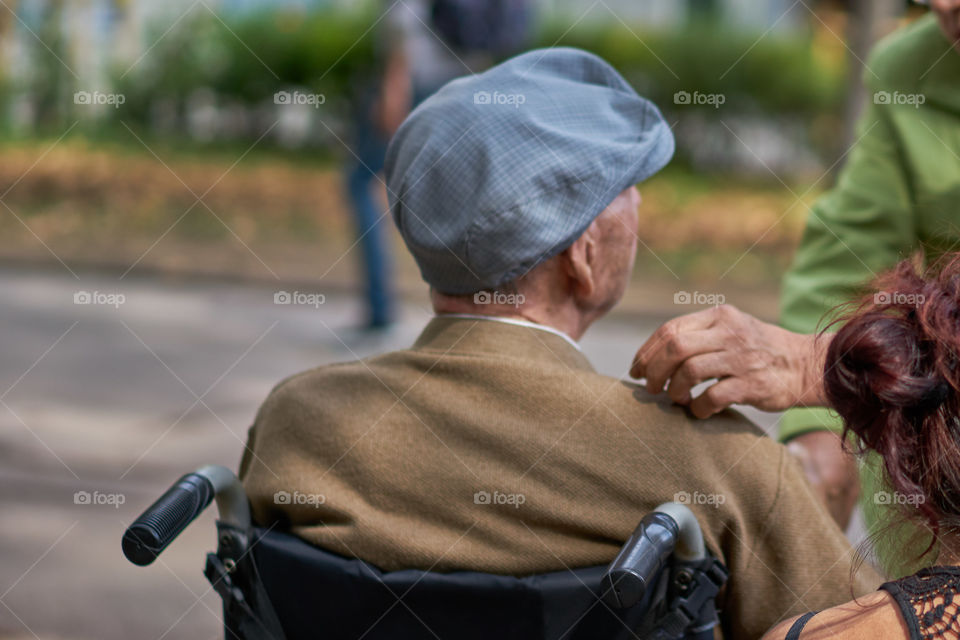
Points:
(709, 228)
(285, 215)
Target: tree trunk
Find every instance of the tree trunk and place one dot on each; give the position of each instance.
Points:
(869, 20)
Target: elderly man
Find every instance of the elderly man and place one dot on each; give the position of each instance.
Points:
(491, 444)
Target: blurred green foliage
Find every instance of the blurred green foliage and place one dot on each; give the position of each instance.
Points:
(250, 58)
(773, 74)
(245, 59)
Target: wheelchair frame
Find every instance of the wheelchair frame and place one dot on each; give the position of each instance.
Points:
(665, 554)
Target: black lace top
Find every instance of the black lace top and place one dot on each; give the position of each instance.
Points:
(929, 601)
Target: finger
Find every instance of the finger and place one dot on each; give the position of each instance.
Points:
(660, 365)
(697, 369)
(718, 397)
(668, 331)
(682, 324)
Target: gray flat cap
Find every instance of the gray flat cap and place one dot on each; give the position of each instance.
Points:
(497, 172)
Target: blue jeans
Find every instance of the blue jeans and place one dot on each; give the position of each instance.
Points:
(371, 217)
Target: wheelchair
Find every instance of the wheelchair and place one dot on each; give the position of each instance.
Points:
(662, 585)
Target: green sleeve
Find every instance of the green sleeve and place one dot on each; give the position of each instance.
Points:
(860, 228)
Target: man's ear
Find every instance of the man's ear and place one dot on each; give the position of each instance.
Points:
(580, 263)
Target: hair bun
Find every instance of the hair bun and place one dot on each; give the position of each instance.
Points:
(935, 396)
(891, 373)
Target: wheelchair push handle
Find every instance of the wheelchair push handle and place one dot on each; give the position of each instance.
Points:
(180, 505)
(671, 529)
(166, 518)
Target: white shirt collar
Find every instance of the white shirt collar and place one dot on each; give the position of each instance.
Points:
(516, 322)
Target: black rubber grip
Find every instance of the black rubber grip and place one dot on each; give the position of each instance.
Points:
(163, 521)
(640, 560)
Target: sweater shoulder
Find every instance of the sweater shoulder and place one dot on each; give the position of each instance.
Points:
(323, 383)
(734, 446)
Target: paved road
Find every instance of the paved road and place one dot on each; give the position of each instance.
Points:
(119, 397)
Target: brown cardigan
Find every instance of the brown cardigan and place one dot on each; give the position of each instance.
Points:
(498, 448)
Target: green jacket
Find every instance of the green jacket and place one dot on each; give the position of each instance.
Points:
(898, 194)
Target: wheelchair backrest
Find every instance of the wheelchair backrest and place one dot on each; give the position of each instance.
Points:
(318, 594)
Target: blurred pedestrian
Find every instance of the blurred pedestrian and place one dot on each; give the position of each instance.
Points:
(425, 45)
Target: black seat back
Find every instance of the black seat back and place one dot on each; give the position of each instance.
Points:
(318, 594)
